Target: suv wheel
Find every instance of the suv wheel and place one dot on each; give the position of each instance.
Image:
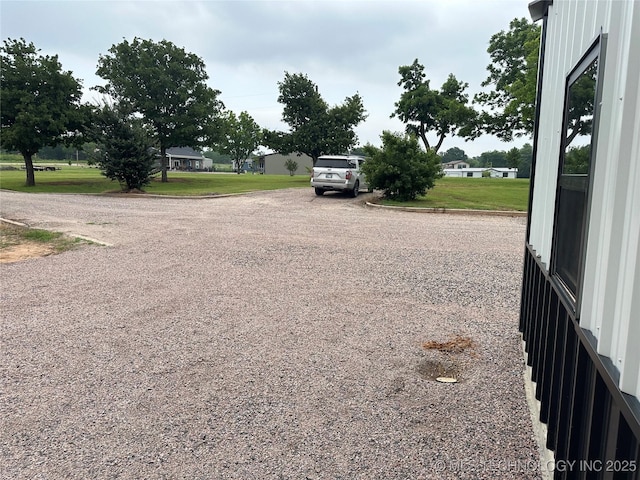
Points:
(356, 189)
(319, 191)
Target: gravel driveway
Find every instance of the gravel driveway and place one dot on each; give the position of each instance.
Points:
(263, 336)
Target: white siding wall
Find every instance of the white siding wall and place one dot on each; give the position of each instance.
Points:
(611, 297)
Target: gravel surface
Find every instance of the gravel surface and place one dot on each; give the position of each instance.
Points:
(263, 336)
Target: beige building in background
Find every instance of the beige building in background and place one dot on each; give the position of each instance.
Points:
(273, 163)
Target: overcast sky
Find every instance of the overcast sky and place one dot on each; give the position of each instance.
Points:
(342, 46)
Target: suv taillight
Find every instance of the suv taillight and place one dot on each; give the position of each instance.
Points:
(348, 175)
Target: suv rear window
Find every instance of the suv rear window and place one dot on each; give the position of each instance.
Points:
(334, 163)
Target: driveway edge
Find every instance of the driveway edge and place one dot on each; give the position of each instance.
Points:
(452, 211)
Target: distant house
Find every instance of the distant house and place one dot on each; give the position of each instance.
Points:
(455, 164)
(495, 172)
(186, 158)
(273, 163)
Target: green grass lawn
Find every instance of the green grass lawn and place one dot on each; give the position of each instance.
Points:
(474, 193)
(89, 180)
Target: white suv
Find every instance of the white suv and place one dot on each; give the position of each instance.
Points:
(338, 172)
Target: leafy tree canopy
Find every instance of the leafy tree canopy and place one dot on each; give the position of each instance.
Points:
(423, 110)
(167, 86)
(513, 78)
(217, 157)
(513, 158)
(124, 151)
(576, 160)
(39, 102)
(454, 154)
(401, 168)
(315, 128)
(240, 138)
(493, 158)
(524, 166)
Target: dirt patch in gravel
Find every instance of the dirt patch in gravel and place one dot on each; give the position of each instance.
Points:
(24, 251)
(457, 344)
(451, 358)
(15, 247)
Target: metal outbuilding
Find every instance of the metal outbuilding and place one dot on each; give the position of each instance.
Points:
(580, 310)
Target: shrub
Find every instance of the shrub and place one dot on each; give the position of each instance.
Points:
(125, 152)
(401, 168)
(291, 165)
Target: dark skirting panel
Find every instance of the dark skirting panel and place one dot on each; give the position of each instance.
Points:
(592, 427)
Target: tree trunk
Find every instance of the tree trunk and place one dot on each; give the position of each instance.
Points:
(435, 150)
(163, 167)
(423, 136)
(28, 163)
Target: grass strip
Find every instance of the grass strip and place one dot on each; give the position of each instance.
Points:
(473, 193)
(12, 235)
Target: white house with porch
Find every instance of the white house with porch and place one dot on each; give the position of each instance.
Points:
(186, 158)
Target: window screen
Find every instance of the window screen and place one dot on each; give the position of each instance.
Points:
(574, 175)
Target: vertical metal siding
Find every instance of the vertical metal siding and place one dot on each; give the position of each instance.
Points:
(611, 274)
(611, 277)
(628, 341)
(605, 177)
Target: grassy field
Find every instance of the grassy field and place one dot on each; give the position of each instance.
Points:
(89, 180)
(463, 193)
(474, 193)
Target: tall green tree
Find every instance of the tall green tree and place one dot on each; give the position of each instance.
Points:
(493, 158)
(526, 155)
(217, 157)
(512, 78)
(167, 86)
(454, 154)
(315, 128)
(39, 102)
(401, 168)
(240, 138)
(125, 150)
(513, 158)
(424, 110)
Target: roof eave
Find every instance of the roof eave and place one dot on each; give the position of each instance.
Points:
(538, 9)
